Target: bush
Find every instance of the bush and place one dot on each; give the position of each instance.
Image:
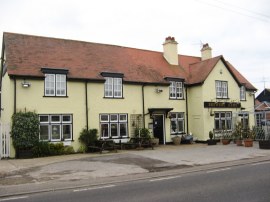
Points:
(51, 149)
(41, 149)
(25, 130)
(88, 137)
(142, 132)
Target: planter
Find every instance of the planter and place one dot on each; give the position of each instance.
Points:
(211, 142)
(248, 143)
(264, 144)
(225, 141)
(239, 142)
(176, 140)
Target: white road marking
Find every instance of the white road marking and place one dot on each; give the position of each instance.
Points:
(260, 163)
(218, 170)
(93, 188)
(164, 178)
(14, 198)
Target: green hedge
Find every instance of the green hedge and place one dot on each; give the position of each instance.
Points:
(51, 149)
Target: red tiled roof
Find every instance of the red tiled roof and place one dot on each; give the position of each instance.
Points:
(26, 55)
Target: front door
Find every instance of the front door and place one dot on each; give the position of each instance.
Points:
(158, 126)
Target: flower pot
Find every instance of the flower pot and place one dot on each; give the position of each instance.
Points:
(225, 141)
(155, 141)
(264, 144)
(248, 143)
(176, 140)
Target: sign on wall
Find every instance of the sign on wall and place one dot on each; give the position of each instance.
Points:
(222, 105)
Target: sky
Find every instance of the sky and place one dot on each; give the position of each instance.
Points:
(238, 30)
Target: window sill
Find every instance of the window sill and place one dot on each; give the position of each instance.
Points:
(176, 98)
(114, 98)
(223, 98)
(47, 96)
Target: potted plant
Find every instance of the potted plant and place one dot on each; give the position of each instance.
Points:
(211, 141)
(264, 140)
(237, 134)
(248, 137)
(176, 140)
(226, 137)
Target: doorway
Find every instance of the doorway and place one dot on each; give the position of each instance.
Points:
(158, 127)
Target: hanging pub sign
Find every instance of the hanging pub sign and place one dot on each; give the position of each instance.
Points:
(222, 105)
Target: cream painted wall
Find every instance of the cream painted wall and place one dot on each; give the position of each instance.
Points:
(200, 120)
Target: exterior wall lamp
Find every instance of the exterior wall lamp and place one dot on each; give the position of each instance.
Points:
(26, 84)
(158, 90)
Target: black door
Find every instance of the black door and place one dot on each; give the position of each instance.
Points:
(158, 128)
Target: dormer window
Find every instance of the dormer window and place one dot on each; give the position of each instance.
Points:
(242, 93)
(113, 87)
(55, 82)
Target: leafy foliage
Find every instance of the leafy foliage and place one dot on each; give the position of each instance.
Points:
(51, 149)
(142, 132)
(88, 137)
(25, 130)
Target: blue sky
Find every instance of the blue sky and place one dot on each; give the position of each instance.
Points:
(238, 30)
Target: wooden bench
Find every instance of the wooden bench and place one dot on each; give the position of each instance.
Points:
(101, 145)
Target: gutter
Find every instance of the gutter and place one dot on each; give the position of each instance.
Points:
(143, 111)
(187, 110)
(15, 96)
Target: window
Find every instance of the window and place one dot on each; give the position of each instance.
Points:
(55, 127)
(222, 89)
(177, 123)
(223, 120)
(113, 87)
(242, 93)
(176, 90)
(55, 85)
(113, 125)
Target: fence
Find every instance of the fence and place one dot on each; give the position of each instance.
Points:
(4, 140)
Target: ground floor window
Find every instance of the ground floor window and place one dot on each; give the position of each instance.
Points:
(55, 127)
(177, 123)
(244, 120)
(113, 125)
(223, 120)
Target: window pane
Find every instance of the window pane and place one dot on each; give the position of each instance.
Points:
(123, 129)
(179, 93)
(43, 119)
(217, 124)
(66, 118)
(67, 132)
(44, 132)
(49, 84)
(173, 126)
(61, 84)
(180, 125)
(104, 130)
(55, 118)
(122, 117)
(104, 118)
(117, 87)
(172, 89)
(56, 133)
(114, 129)
(108, 87)
(114, 117)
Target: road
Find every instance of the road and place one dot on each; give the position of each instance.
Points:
(245, 183)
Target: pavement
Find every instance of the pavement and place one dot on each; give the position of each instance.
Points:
(21, 176)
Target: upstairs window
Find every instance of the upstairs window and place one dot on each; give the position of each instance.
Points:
(176, 90)
(222, 89)
(242, 93)
(55, 85)
(113, 87)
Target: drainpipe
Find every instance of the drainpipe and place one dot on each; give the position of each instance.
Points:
(187, 110)
(86, 105)
(15, 96)
(143, 105)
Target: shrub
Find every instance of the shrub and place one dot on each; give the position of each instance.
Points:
(41, 149)
(68, 150)
(88, 137)
(142, 132)
(25, 130)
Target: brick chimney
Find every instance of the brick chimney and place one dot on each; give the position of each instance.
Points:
(170, 52)
(206, 52)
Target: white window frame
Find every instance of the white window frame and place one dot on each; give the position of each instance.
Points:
(59, 123)
(176, 117)
(113, 87)
(56, 85)
(242, 93)
(227, 119)
(222, 89)
(176, 90)
(111, 122)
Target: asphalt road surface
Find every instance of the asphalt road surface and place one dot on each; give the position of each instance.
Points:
(245, 183)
